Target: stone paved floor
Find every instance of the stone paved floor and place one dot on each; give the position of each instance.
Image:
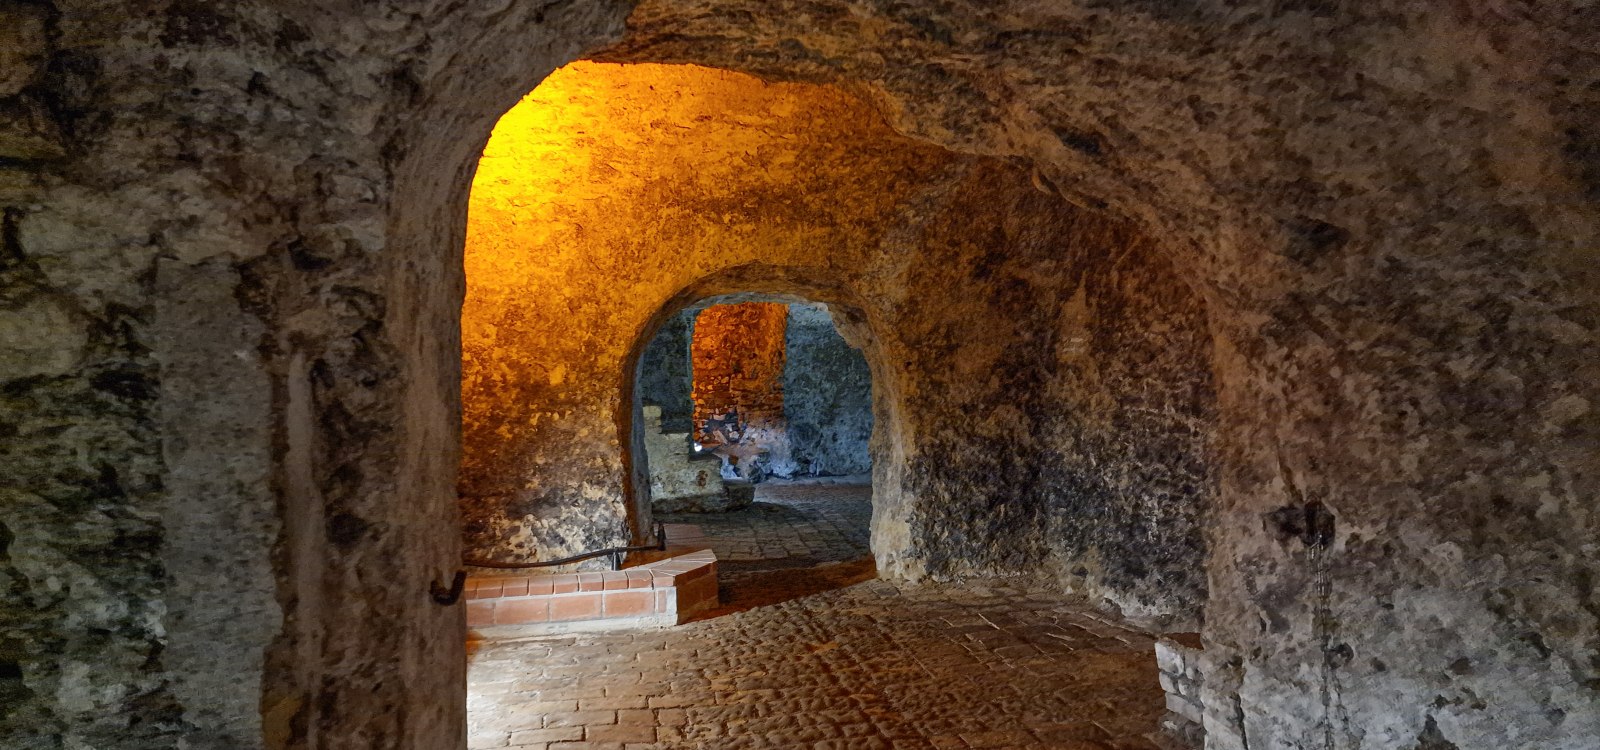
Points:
(811, 651)
(803, 524)
(806, 522)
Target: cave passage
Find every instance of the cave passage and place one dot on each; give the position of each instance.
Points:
(974, 380)
(1232, 364)
(756, 417)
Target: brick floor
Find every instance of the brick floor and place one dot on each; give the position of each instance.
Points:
(812, 652)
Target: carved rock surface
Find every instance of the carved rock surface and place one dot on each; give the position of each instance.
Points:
(827, 397)
(230, 478)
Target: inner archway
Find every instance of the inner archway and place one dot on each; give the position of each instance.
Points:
(1040, 372)
(752, 417)
(604, 190)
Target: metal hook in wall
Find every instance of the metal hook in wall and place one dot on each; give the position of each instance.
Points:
(448, 596)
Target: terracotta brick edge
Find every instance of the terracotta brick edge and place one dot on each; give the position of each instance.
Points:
(660, 593)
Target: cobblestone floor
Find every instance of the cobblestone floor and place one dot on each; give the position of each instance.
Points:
(811, 651)
(805, 522)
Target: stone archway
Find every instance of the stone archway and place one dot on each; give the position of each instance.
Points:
(851, 318)
(554, 307)
(1388, 211)
(1279, 193)
(1000, 309)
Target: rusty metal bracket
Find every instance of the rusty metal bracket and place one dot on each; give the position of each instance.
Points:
(448, 596)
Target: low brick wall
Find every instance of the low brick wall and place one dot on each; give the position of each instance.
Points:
(1178, 658)
(654, 595)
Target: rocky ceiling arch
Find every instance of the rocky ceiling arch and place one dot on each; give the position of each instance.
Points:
(1387, 208)
(999, 311)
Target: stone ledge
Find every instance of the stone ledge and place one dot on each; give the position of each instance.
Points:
(657, 594)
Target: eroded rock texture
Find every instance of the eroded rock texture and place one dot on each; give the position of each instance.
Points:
(1002, 449)
(232, 238)
(827, 397)
(666, 373)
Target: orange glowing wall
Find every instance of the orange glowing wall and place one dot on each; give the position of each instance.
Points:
(738, 354)
(601, 196)
(1003, 326)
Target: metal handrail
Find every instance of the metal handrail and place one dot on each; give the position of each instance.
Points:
(615, 553)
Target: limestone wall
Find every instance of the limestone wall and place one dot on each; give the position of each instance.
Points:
(232, 233)
(666, 373)
(827, 397)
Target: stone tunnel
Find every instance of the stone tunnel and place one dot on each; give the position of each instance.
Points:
(1232, 367)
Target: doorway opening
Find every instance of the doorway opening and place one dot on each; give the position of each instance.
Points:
(1014, 344)
(753, 419)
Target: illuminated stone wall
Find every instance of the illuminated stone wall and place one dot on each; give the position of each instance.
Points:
(1000, 323)
(739, 356)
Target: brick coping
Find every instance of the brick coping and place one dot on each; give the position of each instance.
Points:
(655, 594)
(661, 574)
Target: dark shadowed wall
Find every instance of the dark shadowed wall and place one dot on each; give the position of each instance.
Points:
(827, 397)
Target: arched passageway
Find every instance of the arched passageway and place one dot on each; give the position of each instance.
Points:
(1023, 351)
(232, 238)
(1040, 374)
(752, 420)
(768, 379)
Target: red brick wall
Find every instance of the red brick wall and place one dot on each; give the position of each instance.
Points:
(738, 355)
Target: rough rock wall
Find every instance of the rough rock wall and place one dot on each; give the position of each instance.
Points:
(1388, 207)
(958, 274)
(666, 373)
(827, 397)
(738, 354)
(228, 368)
(1063, 410)
(662, 175)
(1390, 210)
